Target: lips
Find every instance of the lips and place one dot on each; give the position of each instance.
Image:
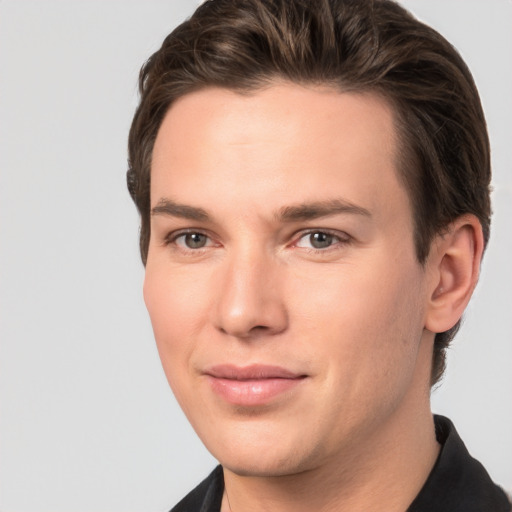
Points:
(252, 385)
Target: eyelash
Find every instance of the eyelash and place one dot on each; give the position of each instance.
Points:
(171, 239)
(340, 238)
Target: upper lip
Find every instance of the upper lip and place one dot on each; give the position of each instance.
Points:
(252, 372)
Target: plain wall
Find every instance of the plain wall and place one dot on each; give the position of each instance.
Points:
(87, 422)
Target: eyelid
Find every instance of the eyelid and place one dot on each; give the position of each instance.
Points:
(341, 236)
(171, 238)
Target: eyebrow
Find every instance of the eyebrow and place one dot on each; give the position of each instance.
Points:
(183, 211)
(293, 213)
(315, 210)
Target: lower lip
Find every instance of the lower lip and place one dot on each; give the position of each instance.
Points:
(250, 393)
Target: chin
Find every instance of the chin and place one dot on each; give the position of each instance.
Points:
(264, 467)
(261, 456)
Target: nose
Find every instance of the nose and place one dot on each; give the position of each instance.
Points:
(250, 301)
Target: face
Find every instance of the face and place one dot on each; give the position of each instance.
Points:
(285, 296)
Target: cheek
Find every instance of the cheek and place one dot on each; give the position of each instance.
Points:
(174, 309)
(173, 299)
(366, 320)
(173, 306)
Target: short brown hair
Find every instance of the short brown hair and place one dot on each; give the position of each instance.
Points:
(351, 45)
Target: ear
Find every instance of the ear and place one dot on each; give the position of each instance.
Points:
(454, 264)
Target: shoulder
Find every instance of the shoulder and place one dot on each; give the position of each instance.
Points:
(206, 497)
(458, 482)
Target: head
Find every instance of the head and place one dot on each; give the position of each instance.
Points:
(258, 117)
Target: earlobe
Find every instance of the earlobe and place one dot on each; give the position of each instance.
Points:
(454, 262)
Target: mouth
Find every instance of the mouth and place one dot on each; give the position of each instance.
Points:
(253, 385)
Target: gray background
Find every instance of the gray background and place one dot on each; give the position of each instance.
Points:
(87, 422)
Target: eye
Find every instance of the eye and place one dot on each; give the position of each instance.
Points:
(192, 240)
(318, 240)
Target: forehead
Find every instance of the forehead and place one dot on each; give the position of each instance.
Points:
(284, 143)
(281, 109)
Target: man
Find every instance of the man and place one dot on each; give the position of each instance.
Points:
(313, 184)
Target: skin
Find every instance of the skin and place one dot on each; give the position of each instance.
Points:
(354, 315)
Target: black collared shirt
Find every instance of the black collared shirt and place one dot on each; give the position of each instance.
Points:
(457, 483)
